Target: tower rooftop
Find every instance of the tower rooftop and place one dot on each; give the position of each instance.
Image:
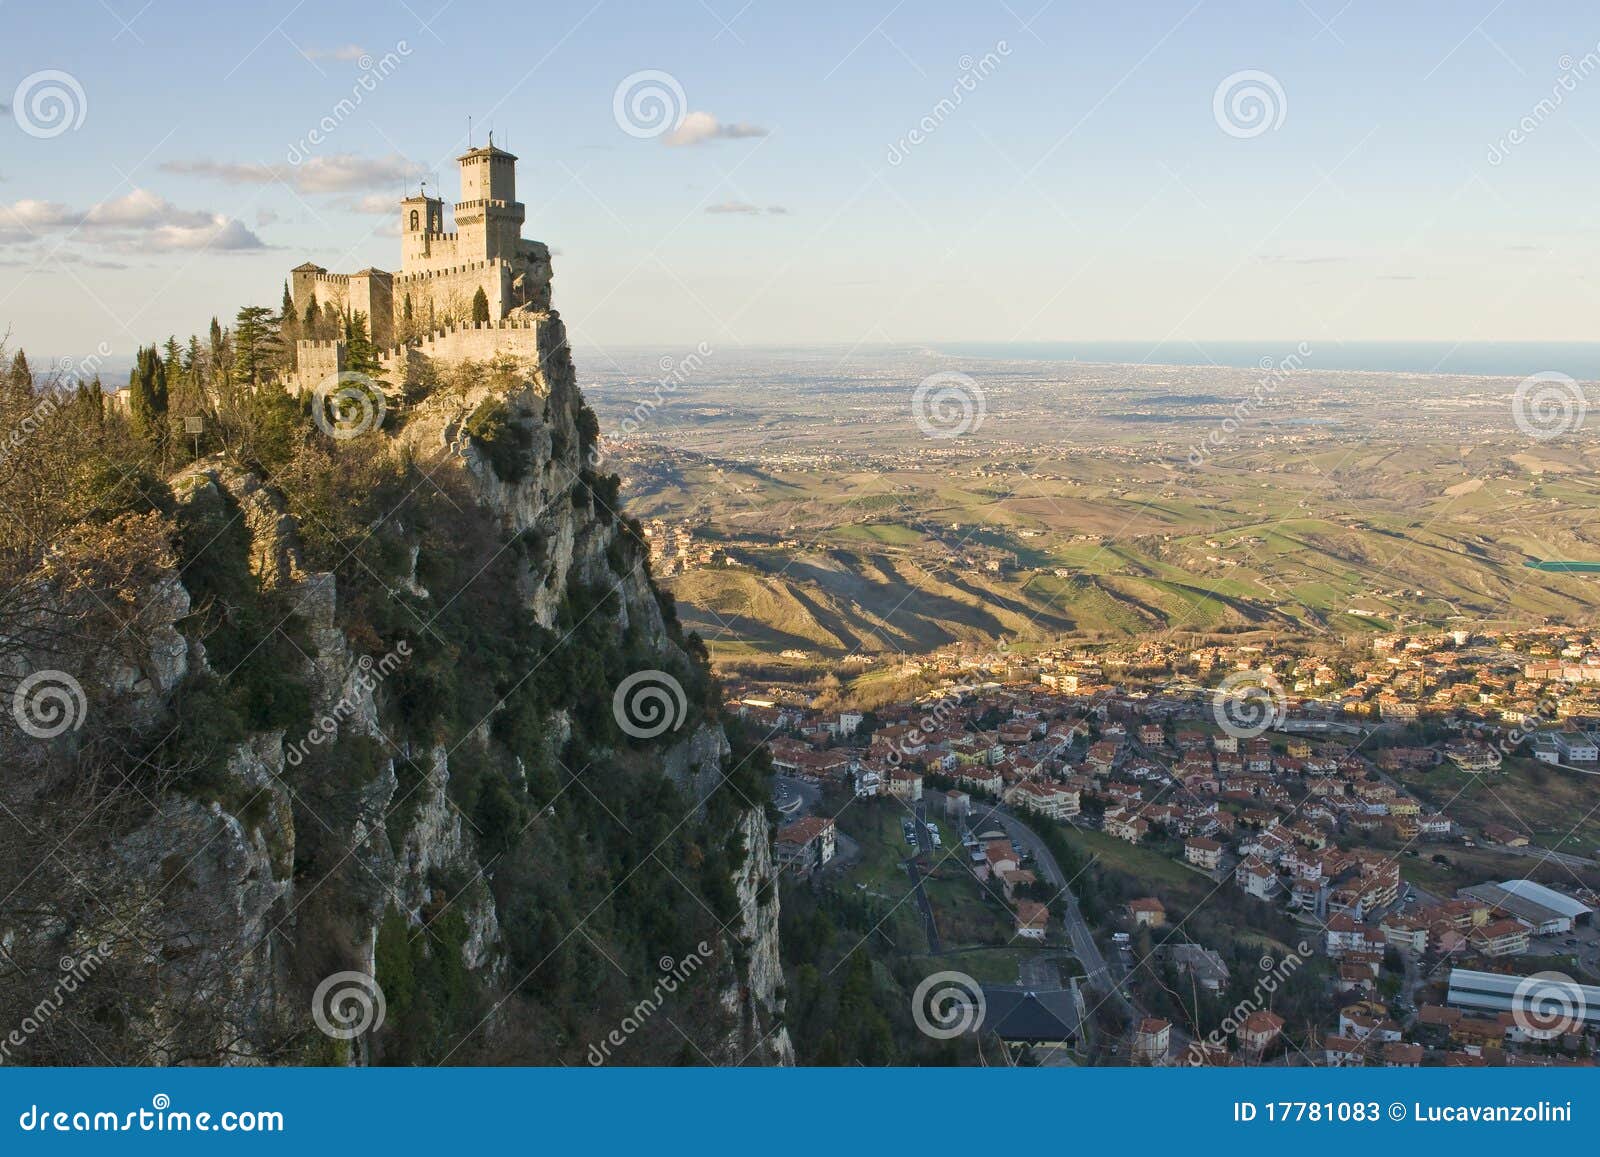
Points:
(489, 150)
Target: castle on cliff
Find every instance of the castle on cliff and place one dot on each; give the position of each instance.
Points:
(426, 308)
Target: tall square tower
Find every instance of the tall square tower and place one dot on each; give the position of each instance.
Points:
(489, 217)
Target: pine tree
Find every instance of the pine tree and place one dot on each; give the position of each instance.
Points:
(91, 401)
(19, 378)
(288, 321)
(192, 362)
(255, 340)
(148, 403)
(360, 355)
(480, 306)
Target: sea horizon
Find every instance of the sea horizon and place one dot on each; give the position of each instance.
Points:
(1578, 359)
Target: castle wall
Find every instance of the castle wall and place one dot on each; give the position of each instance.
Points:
(443, 296)
(371, 294)
(317, 361)
(441, 273)
(327, 288)
(516, 336)
(423, 252)
(521, 337)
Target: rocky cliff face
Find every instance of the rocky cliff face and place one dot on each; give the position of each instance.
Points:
(507, 879)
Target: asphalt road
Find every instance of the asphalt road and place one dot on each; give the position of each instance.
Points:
(1101, 978)
(793, 797)
(924, 848)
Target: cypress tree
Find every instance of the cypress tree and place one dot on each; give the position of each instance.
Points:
(19, 378)
(148, 386)
(480, 306)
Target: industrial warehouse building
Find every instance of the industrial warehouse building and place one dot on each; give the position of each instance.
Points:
(1494, 992)
(1546, 911)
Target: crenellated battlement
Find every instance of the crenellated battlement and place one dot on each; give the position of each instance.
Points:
(445, 275)
(481, 341)
(451, 270)
(524, 321)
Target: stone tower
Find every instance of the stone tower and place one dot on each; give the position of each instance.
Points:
(489, 217)
(427, 305)
(421, 224)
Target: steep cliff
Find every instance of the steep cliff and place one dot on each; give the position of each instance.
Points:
(395, 726)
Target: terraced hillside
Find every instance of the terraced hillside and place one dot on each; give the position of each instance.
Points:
(830, 523)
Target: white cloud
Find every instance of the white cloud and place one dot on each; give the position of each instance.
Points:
(375, 204)
(140, 222)
(336, 173)
(220, 234)
(347, 52)
(699, 127)
(745, 207)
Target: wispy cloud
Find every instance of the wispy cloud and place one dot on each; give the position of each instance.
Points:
(745, 207)
(1301, 259)
(699, 127)
(376, 204)
(337, 173)
(346, 52)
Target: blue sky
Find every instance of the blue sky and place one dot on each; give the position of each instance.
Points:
(1083, 188)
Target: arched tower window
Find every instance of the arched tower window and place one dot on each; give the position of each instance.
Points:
(414, 220)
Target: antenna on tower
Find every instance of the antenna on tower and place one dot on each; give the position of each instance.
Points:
(469, 130)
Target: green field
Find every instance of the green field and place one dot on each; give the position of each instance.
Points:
(1415, 502)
